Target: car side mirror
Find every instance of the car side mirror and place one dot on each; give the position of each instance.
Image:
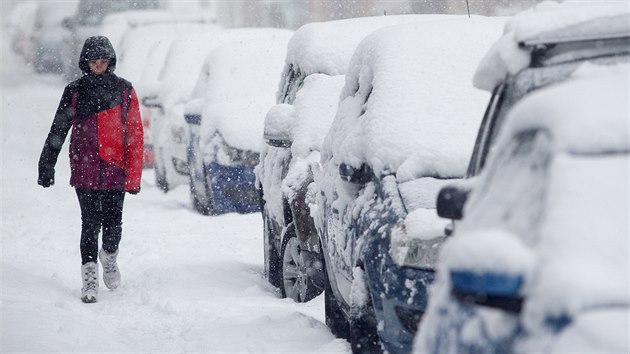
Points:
(451, 201)
(361, 175)
(192, 111)
(278, 125)
(193, 118)
(152, 101)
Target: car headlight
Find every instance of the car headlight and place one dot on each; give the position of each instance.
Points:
(230, 156)
(416, 242)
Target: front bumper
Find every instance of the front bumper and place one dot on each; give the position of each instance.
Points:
(399, 296)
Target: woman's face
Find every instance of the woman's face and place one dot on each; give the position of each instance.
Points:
(98, 66)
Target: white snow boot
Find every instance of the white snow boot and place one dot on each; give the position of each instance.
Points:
(111, 274)
(89, 273)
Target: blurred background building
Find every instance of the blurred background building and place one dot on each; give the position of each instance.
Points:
(294, 13)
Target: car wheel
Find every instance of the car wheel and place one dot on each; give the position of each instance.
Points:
(202, 206)
(273, 268)
(160, 175)
(297, 283)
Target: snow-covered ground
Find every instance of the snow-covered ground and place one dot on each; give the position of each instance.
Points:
(190, 284)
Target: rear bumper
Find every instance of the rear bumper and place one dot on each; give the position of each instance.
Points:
(233, 188)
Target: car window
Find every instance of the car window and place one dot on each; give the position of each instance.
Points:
(547, 55)
(511, 192)
(482, 135)
(513, 90)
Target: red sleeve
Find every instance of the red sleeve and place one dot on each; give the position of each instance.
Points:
(135, 144)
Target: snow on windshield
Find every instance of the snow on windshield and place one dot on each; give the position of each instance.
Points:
(239, 91)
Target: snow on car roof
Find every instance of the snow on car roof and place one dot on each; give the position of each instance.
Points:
(315, 105)
(422, 113)
(326, 47)
(241, 88)
(232, 35)
(188, 53)
(588, 113)
(549, 23)
(136, 44)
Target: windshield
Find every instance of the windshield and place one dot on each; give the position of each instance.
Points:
(92, 12)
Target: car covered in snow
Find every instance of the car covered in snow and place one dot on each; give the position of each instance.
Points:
(44, 46)
(404, 127)
(134, 54)
(540, 262)
(540, 47)
(307, 98)
(178, 84)
(115, 26)
(235, 88)
(166, 98)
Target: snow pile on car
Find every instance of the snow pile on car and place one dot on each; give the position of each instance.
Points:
(239, 91)
(407, 106)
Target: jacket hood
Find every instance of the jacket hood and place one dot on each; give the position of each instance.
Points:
(97, 47)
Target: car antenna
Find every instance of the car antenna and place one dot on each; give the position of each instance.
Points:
(468, 8)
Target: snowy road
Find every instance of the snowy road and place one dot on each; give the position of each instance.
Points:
(190, 283)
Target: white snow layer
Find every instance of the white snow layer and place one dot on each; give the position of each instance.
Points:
(549, 22)
(238, 91)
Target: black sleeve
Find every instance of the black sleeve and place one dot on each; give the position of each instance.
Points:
(57, 135)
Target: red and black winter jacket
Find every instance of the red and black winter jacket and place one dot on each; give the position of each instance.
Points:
(106, 143)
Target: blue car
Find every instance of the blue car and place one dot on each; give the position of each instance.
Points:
(404, 127)
(226, 120)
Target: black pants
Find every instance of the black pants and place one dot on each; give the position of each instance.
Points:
(100, 209)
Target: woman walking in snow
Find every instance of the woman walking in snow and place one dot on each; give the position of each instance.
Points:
(105, 156)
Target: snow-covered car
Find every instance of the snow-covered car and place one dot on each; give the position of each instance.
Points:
(133, 57)
(86, 22)
(539, 48)
(44, 48)
(166, 98)
(235, 88)
(179, 83)
(307, 98)
(540, 263)
(405, 125)
(116, 25)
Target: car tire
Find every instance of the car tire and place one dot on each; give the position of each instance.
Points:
(160, 175)
(297, 283)
(204, 208)
(273, 265)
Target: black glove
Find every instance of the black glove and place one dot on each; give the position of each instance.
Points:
(46, 177)
(134, 191)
